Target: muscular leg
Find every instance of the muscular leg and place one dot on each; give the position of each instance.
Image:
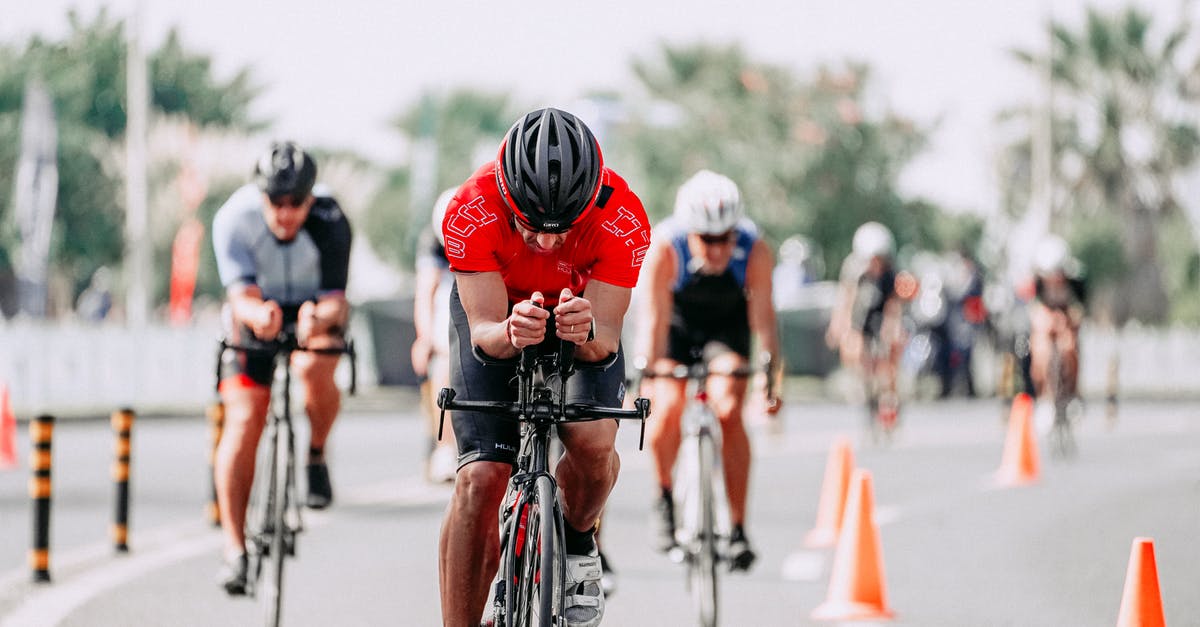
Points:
(469, 546)
(322, 398)
(663, 426)
(587, 471)
(728, 396)
(245, 415)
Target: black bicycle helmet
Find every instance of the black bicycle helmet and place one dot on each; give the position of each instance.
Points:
(285, 169)
(549, 170)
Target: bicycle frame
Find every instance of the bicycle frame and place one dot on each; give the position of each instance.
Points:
(539, 409)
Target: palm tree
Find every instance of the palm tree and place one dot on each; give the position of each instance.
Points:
(1124, 101)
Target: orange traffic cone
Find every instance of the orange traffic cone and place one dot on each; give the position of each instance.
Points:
(1141, 605)
(1019, 465)
(834, 487)
(856, 585)
(8, 431)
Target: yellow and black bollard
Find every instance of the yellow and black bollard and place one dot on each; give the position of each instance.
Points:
(216, 424)
(122, 424)
(41, 431)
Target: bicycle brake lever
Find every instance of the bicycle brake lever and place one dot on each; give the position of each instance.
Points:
(445, 397)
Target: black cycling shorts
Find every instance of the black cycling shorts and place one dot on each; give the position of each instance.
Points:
(258, 367)
(494, 438)
(690, 346)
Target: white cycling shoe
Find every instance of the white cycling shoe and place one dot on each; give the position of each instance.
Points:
(584, 605)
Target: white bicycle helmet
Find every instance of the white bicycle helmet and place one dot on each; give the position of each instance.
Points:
(873, 240)
(439, 213)
(708, 203)
(1051, 255)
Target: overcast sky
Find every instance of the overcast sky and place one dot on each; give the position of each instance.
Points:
(337, 72)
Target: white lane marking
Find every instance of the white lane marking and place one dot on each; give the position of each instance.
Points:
(48, 606)
(804, 566)
(91, 570)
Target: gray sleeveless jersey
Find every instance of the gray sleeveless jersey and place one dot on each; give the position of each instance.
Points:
(313, 264)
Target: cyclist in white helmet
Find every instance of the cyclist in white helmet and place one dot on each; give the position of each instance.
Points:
(1056, 313)
(865, 325)
(708, 288)
(431, 348)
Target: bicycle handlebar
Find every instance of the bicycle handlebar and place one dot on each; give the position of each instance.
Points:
(696, 371)
(544, 411)
(286, 343)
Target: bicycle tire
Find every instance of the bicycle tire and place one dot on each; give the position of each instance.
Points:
(259, 511)
(702, 570)
(551, 554)
(277, 551)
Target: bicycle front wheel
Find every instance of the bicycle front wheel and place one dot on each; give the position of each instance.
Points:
(702, 565)
(551, 554)
(536, 561)
(281, 476)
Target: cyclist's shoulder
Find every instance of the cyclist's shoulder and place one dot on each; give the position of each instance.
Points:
(325, 206)
(242, 214)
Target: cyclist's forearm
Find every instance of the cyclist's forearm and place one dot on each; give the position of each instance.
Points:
(494, 339)
(330, 314)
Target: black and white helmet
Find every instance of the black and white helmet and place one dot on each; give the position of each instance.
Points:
(708, 203)
(549, 170)
(285, 169)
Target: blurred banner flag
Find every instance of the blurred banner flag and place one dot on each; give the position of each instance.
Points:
(185, 253)
(34, 196)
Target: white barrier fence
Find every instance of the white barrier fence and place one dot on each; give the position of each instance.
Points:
(76, 370)
(1150, 362)
(71, 370)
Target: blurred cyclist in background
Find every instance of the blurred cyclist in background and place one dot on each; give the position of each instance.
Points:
(865, 325)
(431, 348)
(1056, 314)
(707, 288)
(283, 252)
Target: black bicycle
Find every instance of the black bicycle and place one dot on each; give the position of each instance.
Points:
(273, 516)
(529, 588)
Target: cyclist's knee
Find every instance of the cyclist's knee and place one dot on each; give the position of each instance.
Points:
(480, 485)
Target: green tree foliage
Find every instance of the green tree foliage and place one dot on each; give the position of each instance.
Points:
(1124, 130)
(85, 73)
(810, 155)
(461, 124)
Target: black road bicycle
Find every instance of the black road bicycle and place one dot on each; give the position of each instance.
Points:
(273, 515)
(529, 586)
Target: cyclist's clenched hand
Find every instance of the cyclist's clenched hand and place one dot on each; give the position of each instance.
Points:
(573, 317)
(267, 321)
(526, 325)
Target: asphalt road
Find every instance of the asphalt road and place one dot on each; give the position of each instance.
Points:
(957, 550)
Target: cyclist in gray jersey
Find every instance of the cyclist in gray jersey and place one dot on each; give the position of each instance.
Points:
(283, 250)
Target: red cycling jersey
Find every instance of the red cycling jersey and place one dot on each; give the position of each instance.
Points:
(608, 244)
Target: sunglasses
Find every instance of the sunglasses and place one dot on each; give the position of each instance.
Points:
(287, 200)
(719, 238)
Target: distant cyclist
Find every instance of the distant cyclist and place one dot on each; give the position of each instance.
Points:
(1055, 314)
(545, 244)
(431, 348)
(707, 289)
(865, 325)
(283, 251)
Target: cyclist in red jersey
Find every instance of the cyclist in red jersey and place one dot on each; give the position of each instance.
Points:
(545, 243)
